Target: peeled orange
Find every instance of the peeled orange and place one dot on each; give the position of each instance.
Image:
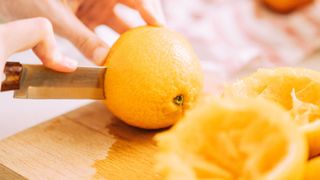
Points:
(296, 89)
(233, 139)
(153, 77)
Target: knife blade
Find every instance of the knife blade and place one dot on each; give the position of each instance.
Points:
(38, 82)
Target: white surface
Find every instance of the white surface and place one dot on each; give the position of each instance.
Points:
(19, 114)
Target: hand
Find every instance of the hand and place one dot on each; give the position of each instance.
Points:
(94, 13)
(91, 12)
(35, 33)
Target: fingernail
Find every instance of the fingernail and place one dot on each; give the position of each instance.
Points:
(100, 55)
(64, 61)
(70, 63)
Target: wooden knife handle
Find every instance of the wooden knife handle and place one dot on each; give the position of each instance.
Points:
(12, 71)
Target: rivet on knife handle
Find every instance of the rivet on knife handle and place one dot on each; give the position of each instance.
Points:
(12, 71)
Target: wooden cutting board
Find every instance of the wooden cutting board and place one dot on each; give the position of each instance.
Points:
(87, 143)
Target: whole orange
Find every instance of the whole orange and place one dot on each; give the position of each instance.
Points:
(153, 77)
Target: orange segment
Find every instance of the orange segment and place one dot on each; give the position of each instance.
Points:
(233, 139)
(296, 89)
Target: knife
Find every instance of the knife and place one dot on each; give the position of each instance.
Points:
(38, 82)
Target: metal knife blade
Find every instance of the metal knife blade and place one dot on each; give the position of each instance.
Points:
(38, 82)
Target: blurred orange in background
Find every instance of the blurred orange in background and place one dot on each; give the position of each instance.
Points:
(232, 36)
(285, 6)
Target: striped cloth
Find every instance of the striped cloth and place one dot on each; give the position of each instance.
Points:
(230, 35)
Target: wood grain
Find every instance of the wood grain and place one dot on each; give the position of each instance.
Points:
(8, 174)
(132, 154)
(75, 146)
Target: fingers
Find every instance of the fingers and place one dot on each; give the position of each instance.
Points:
(35, 33)
(117, 24)
(88, 43)
(70, 27)
(65, 23)
(150, 10)
(94, 13)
